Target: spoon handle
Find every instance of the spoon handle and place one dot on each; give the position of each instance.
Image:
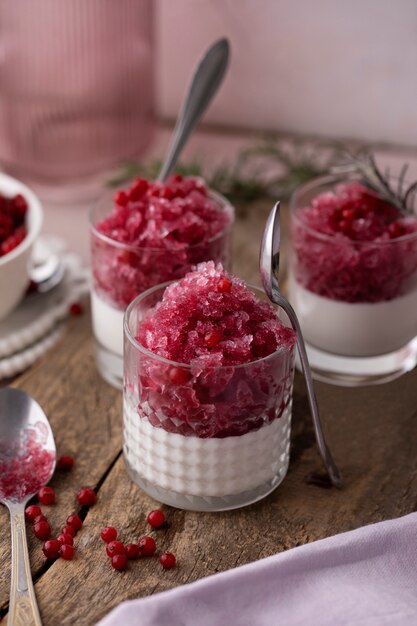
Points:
(207, 78)
(23, 609)
(331, 467)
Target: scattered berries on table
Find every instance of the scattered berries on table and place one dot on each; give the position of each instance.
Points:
(76, 309)
(32, 512)
(147, 546)
(68, 530)
(86, 496)
(66, 551)
(132, 551)
(74, 521)
(156, 518)
(108, 534)
(115, 547)
(42, 529)
(167, 560)
(46, 495)
(51, 549)
(65, 463)
(65, 539)
(119, 562)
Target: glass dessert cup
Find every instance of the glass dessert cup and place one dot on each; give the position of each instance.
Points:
(356, 300)
(121, 271)
(206, 438)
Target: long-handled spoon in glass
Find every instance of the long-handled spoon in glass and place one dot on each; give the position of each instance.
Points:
(27, 462)
(206, 80)
(268, 267)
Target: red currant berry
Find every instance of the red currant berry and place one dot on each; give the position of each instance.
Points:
(395, 229)
(119, 562)
(179, 375)
(121, 198)
(156, 518)
(66, 551)
(76, 309)
(42, 530)
(86, 496)
(65, 463)
(46, 495)
(138, 189)
(147, 546)
(51, 549)
(75, 522)
(115, 547)
(224, 285)
(20, 206)
(167, 560)
(40, 518)
(132, 550)
(68, 530)
(32, 512)
(108, 534)
(65, 539)
(213, 338)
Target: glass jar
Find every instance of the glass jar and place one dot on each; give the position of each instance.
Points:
(356, 300)
(77, 88)
(206, 439)
(120, 272)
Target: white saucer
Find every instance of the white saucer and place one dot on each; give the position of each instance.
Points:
(38, 322)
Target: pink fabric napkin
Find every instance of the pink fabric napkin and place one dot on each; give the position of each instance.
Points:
(366, 577)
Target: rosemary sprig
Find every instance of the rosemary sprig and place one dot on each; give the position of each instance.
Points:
(390, 189)
(268, 169)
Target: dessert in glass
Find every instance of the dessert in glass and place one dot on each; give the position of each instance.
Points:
(148, 234)
(353, 279)
(208, 376)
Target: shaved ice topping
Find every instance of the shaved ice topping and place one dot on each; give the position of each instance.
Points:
(351, 245)
(201, 322)
(214, 333)
(160, 230)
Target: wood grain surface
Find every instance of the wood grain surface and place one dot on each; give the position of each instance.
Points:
(372, 431)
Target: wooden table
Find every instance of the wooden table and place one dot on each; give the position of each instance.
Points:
(372, 431)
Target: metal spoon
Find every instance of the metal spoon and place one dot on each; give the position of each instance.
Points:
(206, 79)
(48, 274)
(25, 434)
(268, 267)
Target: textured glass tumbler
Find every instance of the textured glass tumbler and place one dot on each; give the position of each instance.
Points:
(356, 300)
(205, 439)
(120, 272)
(76, 93)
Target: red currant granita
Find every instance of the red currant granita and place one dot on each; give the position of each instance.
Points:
(353, 268)
(148, 234)
(208, 391)
(25, 466)
(12, 222)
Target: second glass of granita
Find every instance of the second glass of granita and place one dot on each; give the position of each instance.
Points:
(144, 235)
(353, 280)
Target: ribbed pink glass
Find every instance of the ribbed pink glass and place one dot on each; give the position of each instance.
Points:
(76, 89)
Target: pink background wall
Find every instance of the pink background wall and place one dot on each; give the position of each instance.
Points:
(327, 67)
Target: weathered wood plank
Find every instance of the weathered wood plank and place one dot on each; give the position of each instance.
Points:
(374, 437)
(373, 432)
(85, 416)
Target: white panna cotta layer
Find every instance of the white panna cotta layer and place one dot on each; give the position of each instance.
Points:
(107, 324)
(355, 329)
(206, 467)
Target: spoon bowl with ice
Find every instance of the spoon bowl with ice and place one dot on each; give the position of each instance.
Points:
(27, 462)
(268, 267)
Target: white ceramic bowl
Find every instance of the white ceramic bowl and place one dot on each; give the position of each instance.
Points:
(14, 266)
